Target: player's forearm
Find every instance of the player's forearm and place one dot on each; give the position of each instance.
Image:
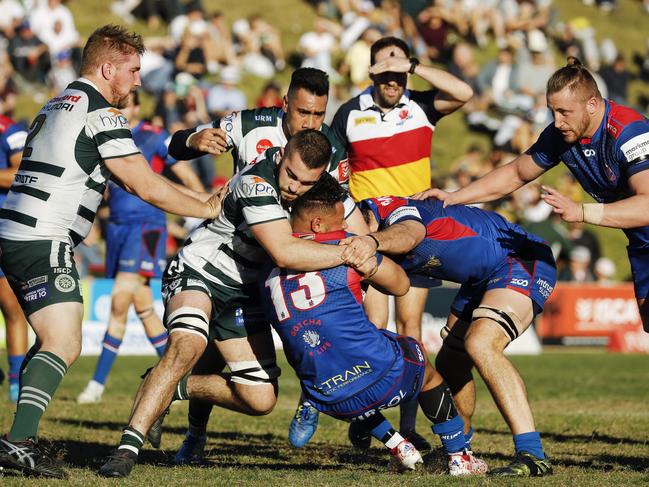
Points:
(400, 238)
(390, 278)
(199, 195)
(178, 148)
(494, 185)
(306, 255)
(453, 88)
(627, 213)
(163, 194)
(7, 177)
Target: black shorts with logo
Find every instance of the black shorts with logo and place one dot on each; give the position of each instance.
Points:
(40, 272)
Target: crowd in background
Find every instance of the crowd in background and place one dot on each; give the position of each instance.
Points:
(194, 73)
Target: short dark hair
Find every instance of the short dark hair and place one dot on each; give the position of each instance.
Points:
(384, 42)
(313, 146)
(108, 43)
(576, 77)
(312, 80)
(323, 196)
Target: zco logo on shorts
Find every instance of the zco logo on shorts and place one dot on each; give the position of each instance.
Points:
(520, 282)
(64, 283)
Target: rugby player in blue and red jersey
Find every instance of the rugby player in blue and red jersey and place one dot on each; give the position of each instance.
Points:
(605, 146)
(506, 276)
(136, 250)
(347, 367)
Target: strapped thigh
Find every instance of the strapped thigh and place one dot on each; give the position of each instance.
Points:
(508, 321)
(189, 320)
(255, 373)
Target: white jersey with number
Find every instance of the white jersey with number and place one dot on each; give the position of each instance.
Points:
(62, 176)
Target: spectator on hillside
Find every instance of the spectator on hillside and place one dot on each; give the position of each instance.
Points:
(53, 23)
(498, 82)
(226, 97)
(191, 56)
(435, 27)
(617, 78)
(220, 40)
(29, 55)
(578, 269)
(604, 271)
(13, 13)
(535, 65)
(319, 45)
(258, 40)
(156, 70)
(357, 60)
(193, 17)
(270, 96)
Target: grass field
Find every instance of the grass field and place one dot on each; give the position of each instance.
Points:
(591, 408)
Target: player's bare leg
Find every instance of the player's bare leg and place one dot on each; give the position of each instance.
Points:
(187, 318)
(485, 343)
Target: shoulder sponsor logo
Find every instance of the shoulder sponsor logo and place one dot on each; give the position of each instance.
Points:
(64, 283)
(62, 103)
(262, 145)
(113, 119)
(362, 120)
(263, 118)
(343, 171)
(403, 212)
(256, 186)
(636, 148)
(228, 122)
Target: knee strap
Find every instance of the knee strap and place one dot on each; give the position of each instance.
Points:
(188, 320)
(255, 373)
(508, 321)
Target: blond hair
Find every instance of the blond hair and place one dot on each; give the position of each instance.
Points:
(108, 44)
(576, 77)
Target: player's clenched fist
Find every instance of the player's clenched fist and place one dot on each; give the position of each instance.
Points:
(213, 141)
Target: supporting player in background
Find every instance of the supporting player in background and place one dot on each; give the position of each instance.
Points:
(136, 238)
(506, 275)
(348, 368)
(248, 134)
(605, 146)
(211, 295)
(388, 132)
(12, 141)
(74, 144)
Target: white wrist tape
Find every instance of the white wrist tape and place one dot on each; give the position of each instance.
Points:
(594, 213)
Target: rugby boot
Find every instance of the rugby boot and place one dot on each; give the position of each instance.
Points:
(29, 458)
(465, 463)
(155, 431)
(404, 457)
(416, 439)
(359, 436)
(119, 464)
(192, 451)
(524, 465)
(303, 425)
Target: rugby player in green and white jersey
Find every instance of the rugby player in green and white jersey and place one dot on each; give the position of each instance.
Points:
(75, 142)
(211, 293)
(248, 134)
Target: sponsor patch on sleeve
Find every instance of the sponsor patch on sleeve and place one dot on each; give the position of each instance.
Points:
(254, 186)
(636, 148)
(403, 212)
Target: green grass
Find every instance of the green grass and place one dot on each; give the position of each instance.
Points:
(590, 407)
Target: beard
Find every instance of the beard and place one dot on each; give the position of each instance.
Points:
(579, 131)
(385, 101)
(119, 101)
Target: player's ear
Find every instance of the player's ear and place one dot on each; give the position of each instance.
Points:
(592, 104)
(316, 224)
(107, 71)
(285, 103)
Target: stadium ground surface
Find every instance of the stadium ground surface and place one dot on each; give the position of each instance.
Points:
(591, 408)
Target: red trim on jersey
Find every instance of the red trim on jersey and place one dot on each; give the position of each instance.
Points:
(5, 123)
(448, 229)
(619, 117)
(396, 150)
(354, 284)
(157, 164)
(149, 127)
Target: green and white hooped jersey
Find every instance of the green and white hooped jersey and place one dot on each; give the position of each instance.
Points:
(62, 176)
(251, 132)
(223, 250)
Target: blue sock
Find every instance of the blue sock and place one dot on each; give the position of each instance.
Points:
(468, 437)
(109, 350)
(451, 432)
(15, 361)
(380, 431)
(530, 443)
(159, 342)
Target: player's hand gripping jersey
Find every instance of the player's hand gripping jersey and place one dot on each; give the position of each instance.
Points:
(335, 350)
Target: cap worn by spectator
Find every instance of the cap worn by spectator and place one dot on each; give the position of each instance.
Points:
(230, 75)
(536, 41)
(580, 254)
(605, 267)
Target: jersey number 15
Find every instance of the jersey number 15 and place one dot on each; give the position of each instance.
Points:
(311, 292)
